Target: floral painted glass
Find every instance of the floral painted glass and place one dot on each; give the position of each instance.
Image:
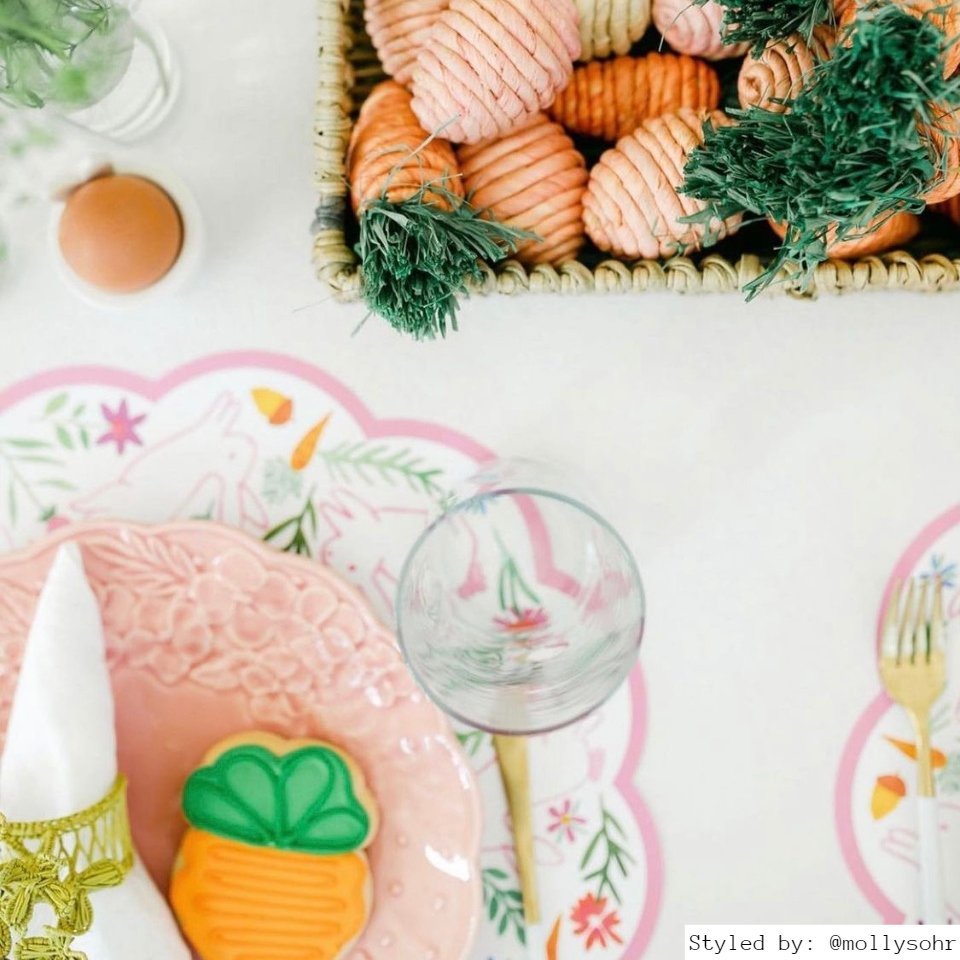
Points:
(519, 609)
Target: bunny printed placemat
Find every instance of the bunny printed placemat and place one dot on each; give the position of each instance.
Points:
(283, 451)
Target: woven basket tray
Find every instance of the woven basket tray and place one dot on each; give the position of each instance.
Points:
(349, 69)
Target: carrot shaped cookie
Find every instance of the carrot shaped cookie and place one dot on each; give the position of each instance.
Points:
(632, 207)
(611, 26)
(695, 29)
(778, 74)
(489, 65)
(398, 29)
(273, 862)
(611, 98)
(532, 179)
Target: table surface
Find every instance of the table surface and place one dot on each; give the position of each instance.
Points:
(767, 462)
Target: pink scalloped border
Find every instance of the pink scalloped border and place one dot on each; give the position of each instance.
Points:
(843, 802)
(155, 389)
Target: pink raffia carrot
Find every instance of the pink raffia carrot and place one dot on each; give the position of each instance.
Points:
(885, 234)
(398, 29)
(611, 26)
(780, 71)
(532, 179)
(695, 29)
(488, 65)
(611, 98)
(632, 207)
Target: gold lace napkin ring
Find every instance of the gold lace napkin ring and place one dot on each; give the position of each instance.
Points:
(60, 863)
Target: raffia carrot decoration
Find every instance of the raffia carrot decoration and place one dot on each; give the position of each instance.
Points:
(611, 98)
(779, 72)
(419, 240)
(532, 179)
(398, 29)
(611, 26)
(632, 207)
(887, 233)
(695, 29)
(489, 65)
(950, 208)
(944, 14)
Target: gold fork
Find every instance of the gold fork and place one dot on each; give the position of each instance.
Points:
(913, 669)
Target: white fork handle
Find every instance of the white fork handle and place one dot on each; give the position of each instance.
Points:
(931, 878)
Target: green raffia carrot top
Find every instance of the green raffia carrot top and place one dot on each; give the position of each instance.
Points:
(302, 801)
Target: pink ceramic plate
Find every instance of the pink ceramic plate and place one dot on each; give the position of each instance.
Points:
(210, 633)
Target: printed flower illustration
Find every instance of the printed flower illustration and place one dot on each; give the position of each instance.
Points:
(121, 427)
(522, 621)
(566, 823)
(592, 919)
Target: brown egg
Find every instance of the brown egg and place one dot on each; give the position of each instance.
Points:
(120, 233)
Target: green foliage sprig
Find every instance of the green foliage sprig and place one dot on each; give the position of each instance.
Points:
(763, 21)
(417, 257)
(848, 152)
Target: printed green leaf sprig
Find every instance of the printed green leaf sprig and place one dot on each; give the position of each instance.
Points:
(300, 801)
(852, 149)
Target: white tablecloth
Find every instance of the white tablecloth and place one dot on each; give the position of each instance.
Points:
(768, 462)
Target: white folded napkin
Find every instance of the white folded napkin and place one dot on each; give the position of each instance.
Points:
(61, 755)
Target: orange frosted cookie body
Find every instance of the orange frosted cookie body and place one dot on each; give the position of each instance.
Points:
(273, 864)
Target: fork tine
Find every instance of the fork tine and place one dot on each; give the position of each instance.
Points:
(888, 639)
(905, 616)
(937, 623)
(918, 641)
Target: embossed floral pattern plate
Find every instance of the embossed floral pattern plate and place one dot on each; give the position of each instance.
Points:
(209, 633)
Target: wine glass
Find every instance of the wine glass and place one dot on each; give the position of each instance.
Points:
(519, 609)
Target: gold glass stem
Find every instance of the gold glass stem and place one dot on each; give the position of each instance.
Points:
(514, 769)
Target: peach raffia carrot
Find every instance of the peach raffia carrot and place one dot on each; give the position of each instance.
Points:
(419, 240)
(272, 863)
(398, 29)
(533, 179)
(950, 208)
(695, 29)
(886, 233)
(611, 98)
(611, 26)
(632, 207)
(779, 72)
(488, 65)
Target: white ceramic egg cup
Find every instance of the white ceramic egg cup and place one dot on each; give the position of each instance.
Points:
(170, 282)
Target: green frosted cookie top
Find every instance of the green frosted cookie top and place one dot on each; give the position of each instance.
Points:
(301, 801)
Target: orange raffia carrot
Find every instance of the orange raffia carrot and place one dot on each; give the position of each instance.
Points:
(390, 156)
(950, 208)
(398, 28)
(779, 72)
(532, 179)
(885, 234)
(611, 98)
(632, 207)
(489, 65)
(611, 26)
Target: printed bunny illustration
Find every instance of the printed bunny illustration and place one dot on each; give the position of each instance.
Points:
(367, 543)
(222, 460)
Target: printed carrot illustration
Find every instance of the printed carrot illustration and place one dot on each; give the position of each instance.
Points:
(272, 864)
(909, 749)
(307, 447)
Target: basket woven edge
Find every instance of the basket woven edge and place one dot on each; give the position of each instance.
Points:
(337, 266)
